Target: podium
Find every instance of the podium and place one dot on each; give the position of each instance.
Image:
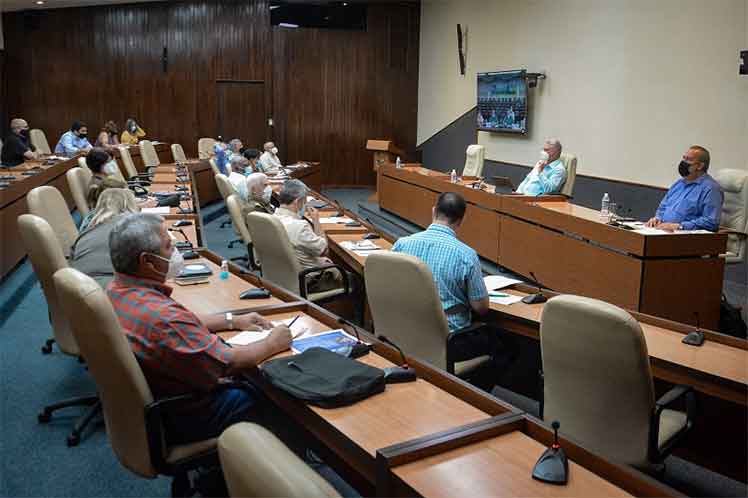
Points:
(385, 151)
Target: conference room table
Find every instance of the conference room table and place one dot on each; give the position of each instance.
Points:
(412, 436)
(26, 176)
(570, 249)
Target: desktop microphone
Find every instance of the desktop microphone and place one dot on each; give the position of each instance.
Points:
(181, 245)
(552, 466)
(360, 348)
(190, 209)
(695, 338)
(538, 297)
(396, 375)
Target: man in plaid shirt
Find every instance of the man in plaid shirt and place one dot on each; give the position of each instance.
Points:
(177, 349)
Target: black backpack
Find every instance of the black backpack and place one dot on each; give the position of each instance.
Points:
(323, 378)
(730, 321)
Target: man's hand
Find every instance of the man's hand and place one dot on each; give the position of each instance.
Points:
(540, 166)
(653, 222)
(279, 338)
(253, 321)
(669, 227)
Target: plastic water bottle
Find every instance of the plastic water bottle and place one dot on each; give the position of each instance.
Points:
(604, 207)
(453, 176)
(398, 163)
(224, 275)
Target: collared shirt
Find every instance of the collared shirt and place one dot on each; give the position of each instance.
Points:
(455, 267)
(308, 246)
(548, 181)
(270, 162)
(222, 158)
(70, 144)
(14, 148)
(239, 182)
(177, 352)
(132, 138)
(696, 205)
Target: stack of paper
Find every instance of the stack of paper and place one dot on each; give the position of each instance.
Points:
(494, 282)
(505, 299)
(361, 247)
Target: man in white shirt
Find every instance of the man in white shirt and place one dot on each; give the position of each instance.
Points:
(237, 178)
(269, 159)
(308, 239)
(548, 175)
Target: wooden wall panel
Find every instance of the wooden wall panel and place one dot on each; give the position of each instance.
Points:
(327, 90)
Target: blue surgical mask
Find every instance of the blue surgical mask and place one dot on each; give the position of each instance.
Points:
(302, 210)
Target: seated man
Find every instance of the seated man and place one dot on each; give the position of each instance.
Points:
(269, 159)
(454, 265)
(74, 141)
(176, 348)
(548, 175)
(235, 148)
(253, 156)
(17, 147)
(236, 176)
(695, 201)
(308, 240)
(260, 193)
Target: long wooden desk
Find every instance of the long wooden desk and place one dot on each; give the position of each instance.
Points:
(13, 203)
(372, 443)
(570, 250)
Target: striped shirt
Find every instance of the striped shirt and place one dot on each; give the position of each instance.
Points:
(456, 270)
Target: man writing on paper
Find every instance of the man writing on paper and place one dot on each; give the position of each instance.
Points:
(548, 175)
(175, 347)
(695, 201)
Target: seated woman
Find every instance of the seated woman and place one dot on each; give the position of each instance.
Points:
(90, 252)
(133, 133)
(108, 136)
(260, 193)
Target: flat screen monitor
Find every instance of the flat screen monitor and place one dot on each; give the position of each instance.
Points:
(502, 102)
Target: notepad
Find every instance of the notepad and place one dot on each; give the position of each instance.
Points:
(506, 301)
(335, 219)
(335, 340)
(249, 336)
(157, 210)
(494, 282)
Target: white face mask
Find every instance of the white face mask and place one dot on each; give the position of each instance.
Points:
(267, 194)
(274, 150)
(110, 168)
(544, 155)
(176, 263)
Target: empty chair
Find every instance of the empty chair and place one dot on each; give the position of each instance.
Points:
(39, 141)
(474, 158)
(132, 416)
(237, 215)
(570, 163)
(78, 180)
(734, 185)
(148, 154)
(205, 147)
(405, 307)
(279, 262)
(47, 203)
(598, 383)
(47, 258)
(225, 188)
(255, 463)
(177, 153)
(142, 179)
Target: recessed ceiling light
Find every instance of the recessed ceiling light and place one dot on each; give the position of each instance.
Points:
(40, 2)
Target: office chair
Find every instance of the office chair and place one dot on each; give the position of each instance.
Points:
(225, 188)
(39, 141)
(255, 463)
(205, 148)
(47, 258)
(474, 158)
(405, 307)
(734, 185)
(214, 166)
(177, 153)
(597, 383)
(135, 178)
(570, 164)
(280, 264)
(133, 418)
(238, 214)
(47, 203)
(78, 180)
(148, 154)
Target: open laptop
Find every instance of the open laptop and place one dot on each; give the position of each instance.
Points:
(502, 184)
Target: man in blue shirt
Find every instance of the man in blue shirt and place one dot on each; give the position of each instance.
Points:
(455, 266)
(74, 141)
(548, 175)
(695, 201)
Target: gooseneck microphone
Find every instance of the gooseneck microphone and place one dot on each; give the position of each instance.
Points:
(538, 297)
(696, 337)
(182, 245)
(360, 348)
(403, 373)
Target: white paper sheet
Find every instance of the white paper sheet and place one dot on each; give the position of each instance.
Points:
(506, 301)
(494, 282)
(335, 219)
(247, 337)
(157, 210)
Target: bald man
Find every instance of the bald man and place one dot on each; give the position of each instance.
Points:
(269, 159)
(17, 147)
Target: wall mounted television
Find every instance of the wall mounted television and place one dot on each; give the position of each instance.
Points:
(502, 102)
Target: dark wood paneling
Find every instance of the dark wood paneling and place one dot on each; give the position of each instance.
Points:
(327, 90)
(240, 111)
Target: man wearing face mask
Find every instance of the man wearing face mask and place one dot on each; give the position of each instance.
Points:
(548, 175)
(695, 201)
(176, 348)
(74, 141)
(253, 165)
(236, 176)
(17, 147)
(269, 159)
(306, 236)
(260, 193)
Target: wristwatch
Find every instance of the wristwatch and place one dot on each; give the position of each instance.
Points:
(229, 321)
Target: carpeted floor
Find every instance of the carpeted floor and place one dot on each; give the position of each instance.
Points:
(34, 459)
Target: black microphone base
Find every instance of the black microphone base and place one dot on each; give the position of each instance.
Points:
(397, 375)
(183, 246)
(185, 211)
(695, 338)
(534, 298)
(358, 350)
(552, 467)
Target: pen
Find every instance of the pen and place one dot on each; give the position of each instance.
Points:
(293, 321)
(497, 294)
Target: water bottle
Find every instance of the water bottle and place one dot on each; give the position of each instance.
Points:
(604, 207)
(398, 163)
(224, 275)
(453, 176)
